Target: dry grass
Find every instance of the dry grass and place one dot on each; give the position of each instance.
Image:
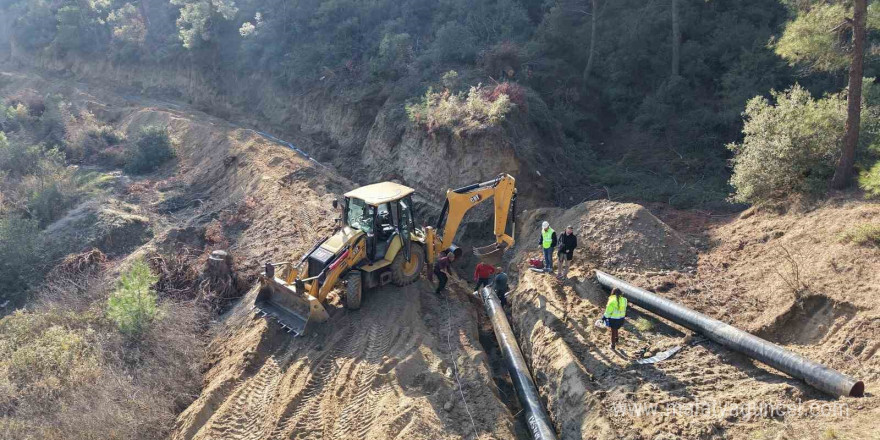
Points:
(70, 374)
(867, 234)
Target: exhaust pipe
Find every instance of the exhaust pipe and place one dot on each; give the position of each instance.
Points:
(526, 392)
(816, 375)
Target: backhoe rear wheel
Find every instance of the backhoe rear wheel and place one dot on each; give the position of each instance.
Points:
(406, 272)
(353, 290)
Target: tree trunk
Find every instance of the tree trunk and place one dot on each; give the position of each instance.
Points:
(593, 13)
(676, 39)
(843, 173)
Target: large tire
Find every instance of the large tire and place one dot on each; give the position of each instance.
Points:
(403, 272)
(353, 290)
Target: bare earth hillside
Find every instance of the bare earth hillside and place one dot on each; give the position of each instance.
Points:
(412, 365)
(741, 278)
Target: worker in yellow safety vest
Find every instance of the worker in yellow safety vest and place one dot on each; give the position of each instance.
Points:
(615, 312)
(548, 243)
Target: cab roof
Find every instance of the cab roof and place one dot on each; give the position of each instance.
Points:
(379, 193)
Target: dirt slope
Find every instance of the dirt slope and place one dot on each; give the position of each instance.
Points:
(383, 372)
(386, 371)
(704, 391)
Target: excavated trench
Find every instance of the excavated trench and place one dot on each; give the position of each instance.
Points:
(410, 364)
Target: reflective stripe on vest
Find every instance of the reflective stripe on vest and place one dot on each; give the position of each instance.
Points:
(615, 311)
(547, 235)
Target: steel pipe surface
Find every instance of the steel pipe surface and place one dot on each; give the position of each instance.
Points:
(536, 417)
(816, 375)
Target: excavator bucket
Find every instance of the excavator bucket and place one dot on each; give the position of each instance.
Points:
(491, 254)
(294, 309)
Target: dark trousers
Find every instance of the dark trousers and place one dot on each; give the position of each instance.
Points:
(482, 282)
(502, 296)
(442, 279)
(548, 259)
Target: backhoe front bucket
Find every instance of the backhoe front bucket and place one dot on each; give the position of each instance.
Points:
(295, 311)
(491, 254)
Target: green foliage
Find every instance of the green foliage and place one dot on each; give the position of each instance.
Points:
(818, 36)
(150, 149)
(790, 147)
(17, 158)
(395, 53)
(866, 234)
(869, 181)
(41, 357)
(461, 111)
(19, 253)
(199, 19)
(133, 305)
(808, 38)
(643, 325)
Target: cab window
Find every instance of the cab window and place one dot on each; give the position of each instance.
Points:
(359, 215)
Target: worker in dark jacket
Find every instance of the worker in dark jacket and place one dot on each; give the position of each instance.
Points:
(441, 269)
(548, 243)
(499, 283)
(568, 242)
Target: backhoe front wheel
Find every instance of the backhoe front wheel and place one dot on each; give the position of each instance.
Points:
(406, 272)
(353, 290)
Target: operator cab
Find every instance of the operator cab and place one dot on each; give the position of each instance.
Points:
(382, 211)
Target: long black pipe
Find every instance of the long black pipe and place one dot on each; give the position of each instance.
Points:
(536, 416)
(816, 375)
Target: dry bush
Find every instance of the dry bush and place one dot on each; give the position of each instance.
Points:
(867, 234)
(180, 279)
(243, 213)
(214, 235)
(73, 375)
(460, 112)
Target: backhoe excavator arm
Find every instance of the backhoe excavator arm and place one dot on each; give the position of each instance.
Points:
(460, 201)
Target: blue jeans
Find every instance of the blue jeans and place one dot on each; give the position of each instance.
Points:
(548, 259)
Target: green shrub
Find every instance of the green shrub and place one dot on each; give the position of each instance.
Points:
(133, 305)
(151, 148)
(790, 147)
(868, 233)
(19, 254)
(477, 109)
(41, 357)
(869, 181)
(17, 158)
(644, 325)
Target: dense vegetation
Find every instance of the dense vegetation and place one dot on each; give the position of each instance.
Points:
(80, 339)
(645, 99)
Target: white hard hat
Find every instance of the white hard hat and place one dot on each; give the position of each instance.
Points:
(545, 225)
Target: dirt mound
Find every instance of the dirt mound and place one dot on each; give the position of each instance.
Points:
(385, 371)
(622, 236)
(113, 226)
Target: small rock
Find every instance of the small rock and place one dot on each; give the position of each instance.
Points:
(449, 372)
(448, 406)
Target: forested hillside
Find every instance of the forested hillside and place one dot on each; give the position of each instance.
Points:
(641, 96)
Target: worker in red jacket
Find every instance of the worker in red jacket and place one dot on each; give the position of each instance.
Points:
(482, 274)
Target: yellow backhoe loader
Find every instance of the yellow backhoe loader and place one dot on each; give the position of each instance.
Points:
(378, 243)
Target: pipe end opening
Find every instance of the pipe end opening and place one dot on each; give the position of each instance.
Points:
(858, 390)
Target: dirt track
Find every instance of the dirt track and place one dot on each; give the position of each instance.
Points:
(385, 371)
(388, 370)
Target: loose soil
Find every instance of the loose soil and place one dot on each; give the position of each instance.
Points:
(389, 369)
(738, 271)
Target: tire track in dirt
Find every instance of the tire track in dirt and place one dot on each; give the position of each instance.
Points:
(242, 418)
(346, 379)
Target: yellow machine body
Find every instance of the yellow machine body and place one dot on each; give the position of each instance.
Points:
(378, 243)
